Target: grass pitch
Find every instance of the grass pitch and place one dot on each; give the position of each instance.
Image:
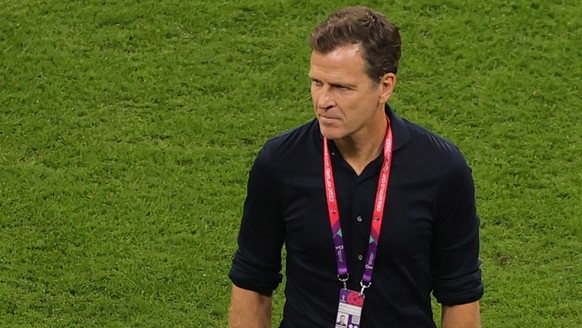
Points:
(127, 130)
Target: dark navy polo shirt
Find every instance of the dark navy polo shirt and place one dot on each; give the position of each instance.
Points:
(429, 241)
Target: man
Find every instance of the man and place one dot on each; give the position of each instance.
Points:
(375, 212)
(341, 321)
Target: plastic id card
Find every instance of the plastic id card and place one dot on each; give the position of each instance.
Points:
(349, 310)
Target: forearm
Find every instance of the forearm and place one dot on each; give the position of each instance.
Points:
(249, 309)
(461, 316)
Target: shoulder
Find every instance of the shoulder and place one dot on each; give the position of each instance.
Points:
(435, 150)
(293, 145)
(423, 154)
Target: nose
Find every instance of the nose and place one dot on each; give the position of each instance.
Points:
(325, 100)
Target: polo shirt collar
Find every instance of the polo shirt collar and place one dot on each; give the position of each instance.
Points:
(400, 133)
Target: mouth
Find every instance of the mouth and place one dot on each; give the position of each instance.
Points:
(328, 120)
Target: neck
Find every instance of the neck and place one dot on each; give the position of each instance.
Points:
(363, 147)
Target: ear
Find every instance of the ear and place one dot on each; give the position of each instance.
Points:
(387, 84)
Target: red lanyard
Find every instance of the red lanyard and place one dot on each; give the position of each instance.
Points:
(377, 217)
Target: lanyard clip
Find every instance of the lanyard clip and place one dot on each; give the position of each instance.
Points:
(364, 287)
(344, 280)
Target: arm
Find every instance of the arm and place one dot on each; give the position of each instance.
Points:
(461, 316)
(457, 273)
(249, 309)
(256, 266)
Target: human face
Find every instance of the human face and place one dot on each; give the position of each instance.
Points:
(347, 103)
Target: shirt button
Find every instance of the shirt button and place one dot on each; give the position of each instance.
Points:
(359, 218)
(360, 257)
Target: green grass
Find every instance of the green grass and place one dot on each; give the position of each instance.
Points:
(127, 130)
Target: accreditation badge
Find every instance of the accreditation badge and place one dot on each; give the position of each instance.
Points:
(349, 311)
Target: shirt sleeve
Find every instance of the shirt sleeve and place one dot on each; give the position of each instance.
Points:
(457, 273)
(257, 262)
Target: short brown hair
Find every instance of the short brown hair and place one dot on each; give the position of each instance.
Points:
(376, 35)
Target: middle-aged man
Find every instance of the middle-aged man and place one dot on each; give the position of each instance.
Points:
(375, 212)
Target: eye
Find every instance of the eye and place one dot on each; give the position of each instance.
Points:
(341, 87)
(316, 83)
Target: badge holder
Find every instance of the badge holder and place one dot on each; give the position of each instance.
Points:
(351, 303)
